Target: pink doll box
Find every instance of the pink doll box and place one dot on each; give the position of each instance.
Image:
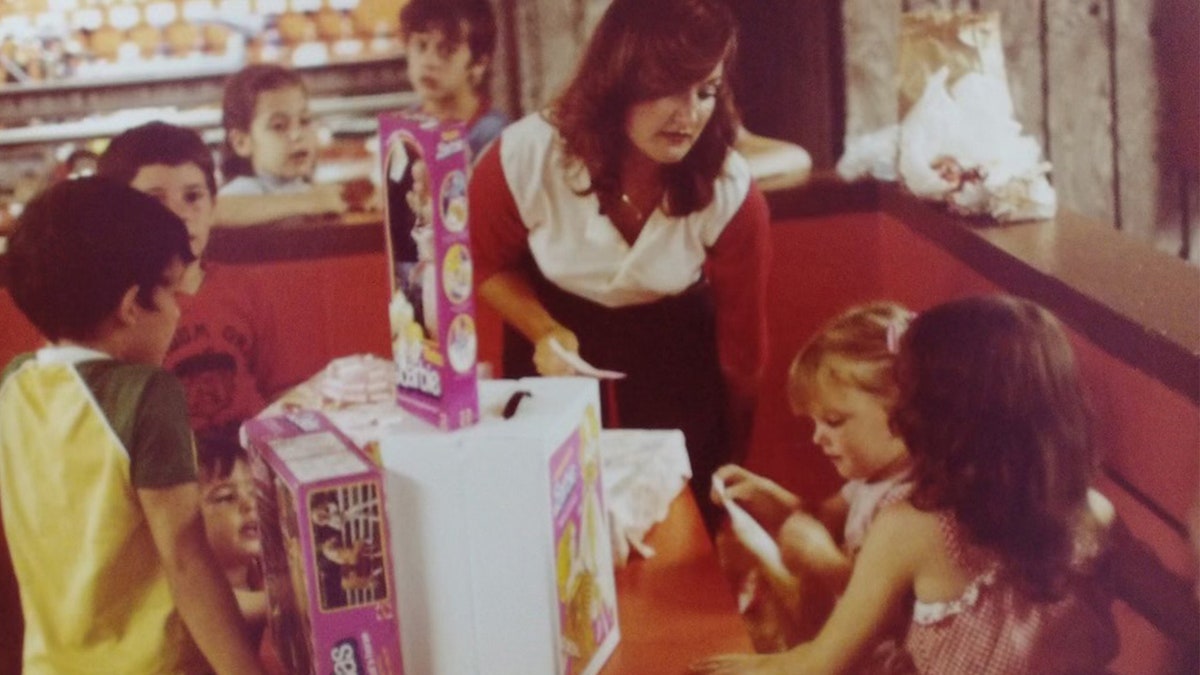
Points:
(432, 307)
(326, 558)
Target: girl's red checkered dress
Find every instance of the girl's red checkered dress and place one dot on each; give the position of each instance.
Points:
(994, 629)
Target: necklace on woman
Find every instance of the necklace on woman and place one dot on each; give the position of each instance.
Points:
(641, 217)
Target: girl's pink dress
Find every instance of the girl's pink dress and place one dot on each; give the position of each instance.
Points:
(993, 628)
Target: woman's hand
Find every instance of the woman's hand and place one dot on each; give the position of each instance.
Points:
(769, 502)
(546, 360)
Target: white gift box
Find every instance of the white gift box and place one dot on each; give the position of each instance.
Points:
(503, 561)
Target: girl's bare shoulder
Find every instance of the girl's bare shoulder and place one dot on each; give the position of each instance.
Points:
(903, 512)
(907, 524)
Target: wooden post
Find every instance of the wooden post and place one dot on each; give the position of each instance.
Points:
(872, 32)
(1021, 31)
(1079, 108)
(1140, 189)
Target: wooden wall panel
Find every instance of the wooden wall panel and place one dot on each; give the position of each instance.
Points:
(1110, 88)
(918, 5)
(547, 39)
(1174, 26)
(1021, 31)
(506, 81)
(1139, 187)
(871, 34)
(1079, 106)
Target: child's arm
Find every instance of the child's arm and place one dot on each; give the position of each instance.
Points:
(833, 513)
(875, 598)
(808, 548)
(201, 592)
(769, 502)
(775, 163)
(243, 210)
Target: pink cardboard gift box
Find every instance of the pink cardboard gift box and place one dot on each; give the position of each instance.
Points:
(432, 308)
(327, 563)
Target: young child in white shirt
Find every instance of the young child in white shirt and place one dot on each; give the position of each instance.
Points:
(270, 150)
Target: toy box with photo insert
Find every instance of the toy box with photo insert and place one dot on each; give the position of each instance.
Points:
(431, 311)
(326, 559)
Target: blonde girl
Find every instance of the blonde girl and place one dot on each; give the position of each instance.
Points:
(842, 379)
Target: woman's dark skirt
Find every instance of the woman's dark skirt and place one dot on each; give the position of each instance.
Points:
(668, 350)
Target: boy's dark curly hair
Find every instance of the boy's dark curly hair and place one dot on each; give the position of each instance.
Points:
(81, 245)
(470, 21)
(156, 143)
(995, 417)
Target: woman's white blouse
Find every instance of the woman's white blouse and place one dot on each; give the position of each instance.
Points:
(580, 250)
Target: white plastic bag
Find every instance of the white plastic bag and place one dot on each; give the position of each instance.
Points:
(958, 141)
(963, 147)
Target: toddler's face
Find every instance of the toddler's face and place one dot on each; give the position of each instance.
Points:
(665, 128)
(282, 139)
(440, 71)
(184, 190)
(852, 430)
(231, 516)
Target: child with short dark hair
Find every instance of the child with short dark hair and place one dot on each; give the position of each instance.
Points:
(230, 509)
(217, 342)
(95, 450)
(449, 45)
(270, 150)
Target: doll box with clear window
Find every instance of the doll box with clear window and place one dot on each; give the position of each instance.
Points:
(327, 563)
(432, 306)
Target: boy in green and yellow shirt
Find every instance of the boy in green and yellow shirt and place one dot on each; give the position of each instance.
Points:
(98, 489)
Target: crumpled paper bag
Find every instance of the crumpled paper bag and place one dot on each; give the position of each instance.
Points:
(958, 141)
(962, 43)
(644, 470)
(961, 145)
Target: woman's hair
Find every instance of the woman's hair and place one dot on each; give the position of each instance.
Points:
(156, 143)
(857, 348)
(643, 50)
(993, 411)
(238, 103)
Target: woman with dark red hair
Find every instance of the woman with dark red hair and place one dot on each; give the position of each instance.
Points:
(619, 224)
